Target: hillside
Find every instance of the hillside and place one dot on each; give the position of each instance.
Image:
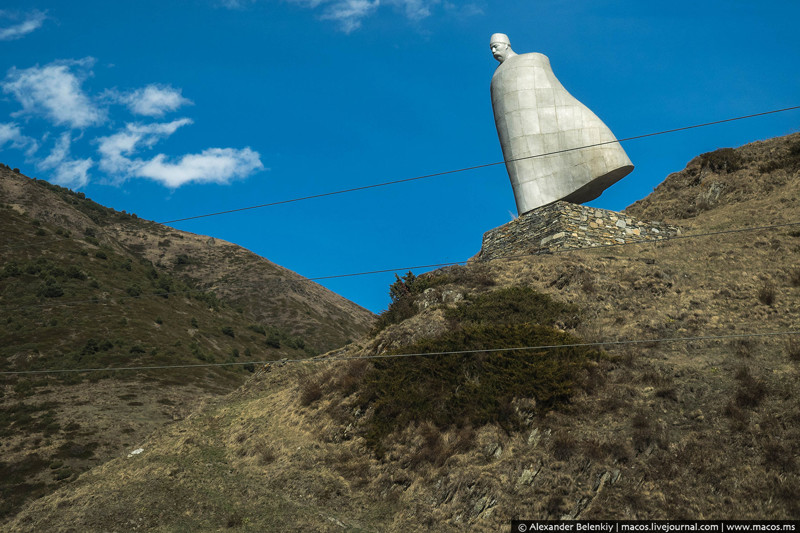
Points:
(79, 289)
(324, 319)
(688, 428)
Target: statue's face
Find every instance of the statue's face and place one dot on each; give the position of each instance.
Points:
(500, 51)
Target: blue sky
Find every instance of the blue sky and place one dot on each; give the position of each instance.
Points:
(173, 109)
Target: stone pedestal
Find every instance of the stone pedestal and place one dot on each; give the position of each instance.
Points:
(563, 225)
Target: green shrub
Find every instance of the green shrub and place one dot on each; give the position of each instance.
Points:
(310, 392)
(751, 390)
(475, 388)
(50, 289)
(478, 388)
(793, 348)
(62, 474)
(100, 254)
(90, 347)
(227, 330)
(767, 293)
(11, 270)
(403, 293)
(134, 290)
(794, 277)
(75, 273)
(256, 328)
(296, 343)
(273, 341)
(722, 160)
(514, 305)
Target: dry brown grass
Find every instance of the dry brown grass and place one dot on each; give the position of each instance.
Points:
(673, 430)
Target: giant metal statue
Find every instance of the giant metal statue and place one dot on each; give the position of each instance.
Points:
(536, 115)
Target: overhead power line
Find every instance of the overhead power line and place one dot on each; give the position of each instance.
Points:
(336, 359)
(562, 250)
(446, 172)
(474, 167)
(163, 294)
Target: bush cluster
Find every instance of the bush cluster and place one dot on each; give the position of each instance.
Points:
(722, 160)
(478, 388)
(405, 290)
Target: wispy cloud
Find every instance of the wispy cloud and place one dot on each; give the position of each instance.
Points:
(66, 171)
(54, 91)
(415, 9)
(235, 4)
(349, 14)
(115, 150)
(213, 165)
(464, 9)
(152, 101)
(31, 22)
(10, 133)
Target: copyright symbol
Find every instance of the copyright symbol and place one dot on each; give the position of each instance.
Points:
(522, 528)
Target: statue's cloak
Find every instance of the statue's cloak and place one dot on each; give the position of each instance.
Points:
(536, 115)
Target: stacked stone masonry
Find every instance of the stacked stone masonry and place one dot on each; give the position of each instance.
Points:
(562, 225)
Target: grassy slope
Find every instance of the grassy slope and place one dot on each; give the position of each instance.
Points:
(701, 429)
(74, 298)
(324, 319)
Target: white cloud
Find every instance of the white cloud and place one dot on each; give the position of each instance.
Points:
(68, 172)
(349, 14)
(59, 152)
(153, 100)
(33, 21)
(235, 4)
(468, 9)
(55, 92)
(213, 165)
(73, 173)
(11, 134)
(415, 9)
(115, 149)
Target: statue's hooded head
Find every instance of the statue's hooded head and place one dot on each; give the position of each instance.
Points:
(501, 47)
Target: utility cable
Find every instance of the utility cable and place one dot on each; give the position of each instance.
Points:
(164, 294)
(475, 167)
(334, 359)
(464, 169)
